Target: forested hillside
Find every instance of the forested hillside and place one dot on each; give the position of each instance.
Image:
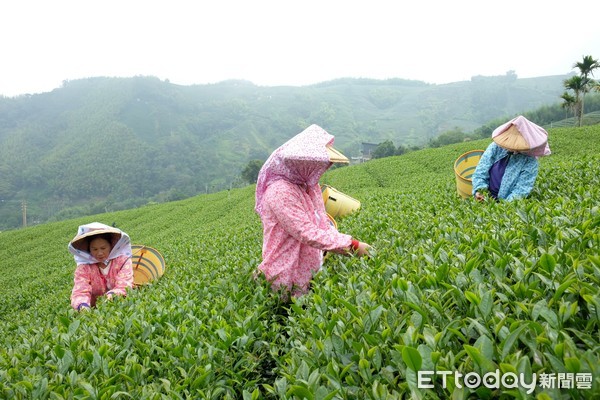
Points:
(104, 144)
(455, 286)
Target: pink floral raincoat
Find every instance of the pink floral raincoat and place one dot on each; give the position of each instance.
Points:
(90, 282)
(296, 229)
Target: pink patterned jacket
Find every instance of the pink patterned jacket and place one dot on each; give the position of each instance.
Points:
(90, 283)
(296, 229)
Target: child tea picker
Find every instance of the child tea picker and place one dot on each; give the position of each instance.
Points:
(296, 229)
(508, 168)
(103, 257)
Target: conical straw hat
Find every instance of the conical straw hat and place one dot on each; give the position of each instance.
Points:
(81, 241)
(522, 135)
(336, 156)
(511, 139)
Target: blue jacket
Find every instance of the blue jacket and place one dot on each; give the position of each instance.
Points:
(519, 176)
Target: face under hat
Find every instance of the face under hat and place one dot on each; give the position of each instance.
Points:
(84, 235)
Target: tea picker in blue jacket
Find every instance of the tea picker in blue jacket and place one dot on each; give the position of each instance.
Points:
(509, 166)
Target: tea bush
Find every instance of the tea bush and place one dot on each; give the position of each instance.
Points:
(454, 285)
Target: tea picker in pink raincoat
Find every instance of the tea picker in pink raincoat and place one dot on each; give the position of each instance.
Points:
(296, 230)
(508, 168)
(103, 257)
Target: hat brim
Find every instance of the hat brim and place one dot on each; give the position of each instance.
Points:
(81, 242)
(335, 156)
(512, 140)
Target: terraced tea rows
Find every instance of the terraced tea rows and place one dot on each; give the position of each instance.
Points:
(454, 285)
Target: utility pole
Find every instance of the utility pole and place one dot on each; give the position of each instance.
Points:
(24, 208)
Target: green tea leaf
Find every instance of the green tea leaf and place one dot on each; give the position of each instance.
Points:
(511, 340)
(412, 358)
(547, 262)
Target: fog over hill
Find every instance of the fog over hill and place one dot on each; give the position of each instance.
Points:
(101, 144)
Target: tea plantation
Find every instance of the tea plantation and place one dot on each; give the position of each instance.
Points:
(459, 300)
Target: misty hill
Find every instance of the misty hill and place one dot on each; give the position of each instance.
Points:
(103, 144)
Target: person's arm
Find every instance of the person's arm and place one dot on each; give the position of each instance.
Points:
(356, 247)
(481, 176)
(124, 277)
(286, 205)
(526, 180)
(81, 295)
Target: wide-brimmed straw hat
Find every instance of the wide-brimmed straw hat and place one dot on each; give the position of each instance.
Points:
(82, 240)
(336, 156)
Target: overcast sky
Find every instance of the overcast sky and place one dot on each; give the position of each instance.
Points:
(280, 42)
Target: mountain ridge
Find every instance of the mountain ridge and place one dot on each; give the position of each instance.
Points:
(113, 143)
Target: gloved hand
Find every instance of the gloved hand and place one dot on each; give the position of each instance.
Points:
(363, 249)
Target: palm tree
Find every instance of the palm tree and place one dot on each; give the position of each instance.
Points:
(568, 104)
(586, 69)
(587, 66)
(576, 84)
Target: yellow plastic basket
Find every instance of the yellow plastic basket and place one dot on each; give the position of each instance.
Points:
(464, 167)
(148, 264)
(338, 204)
